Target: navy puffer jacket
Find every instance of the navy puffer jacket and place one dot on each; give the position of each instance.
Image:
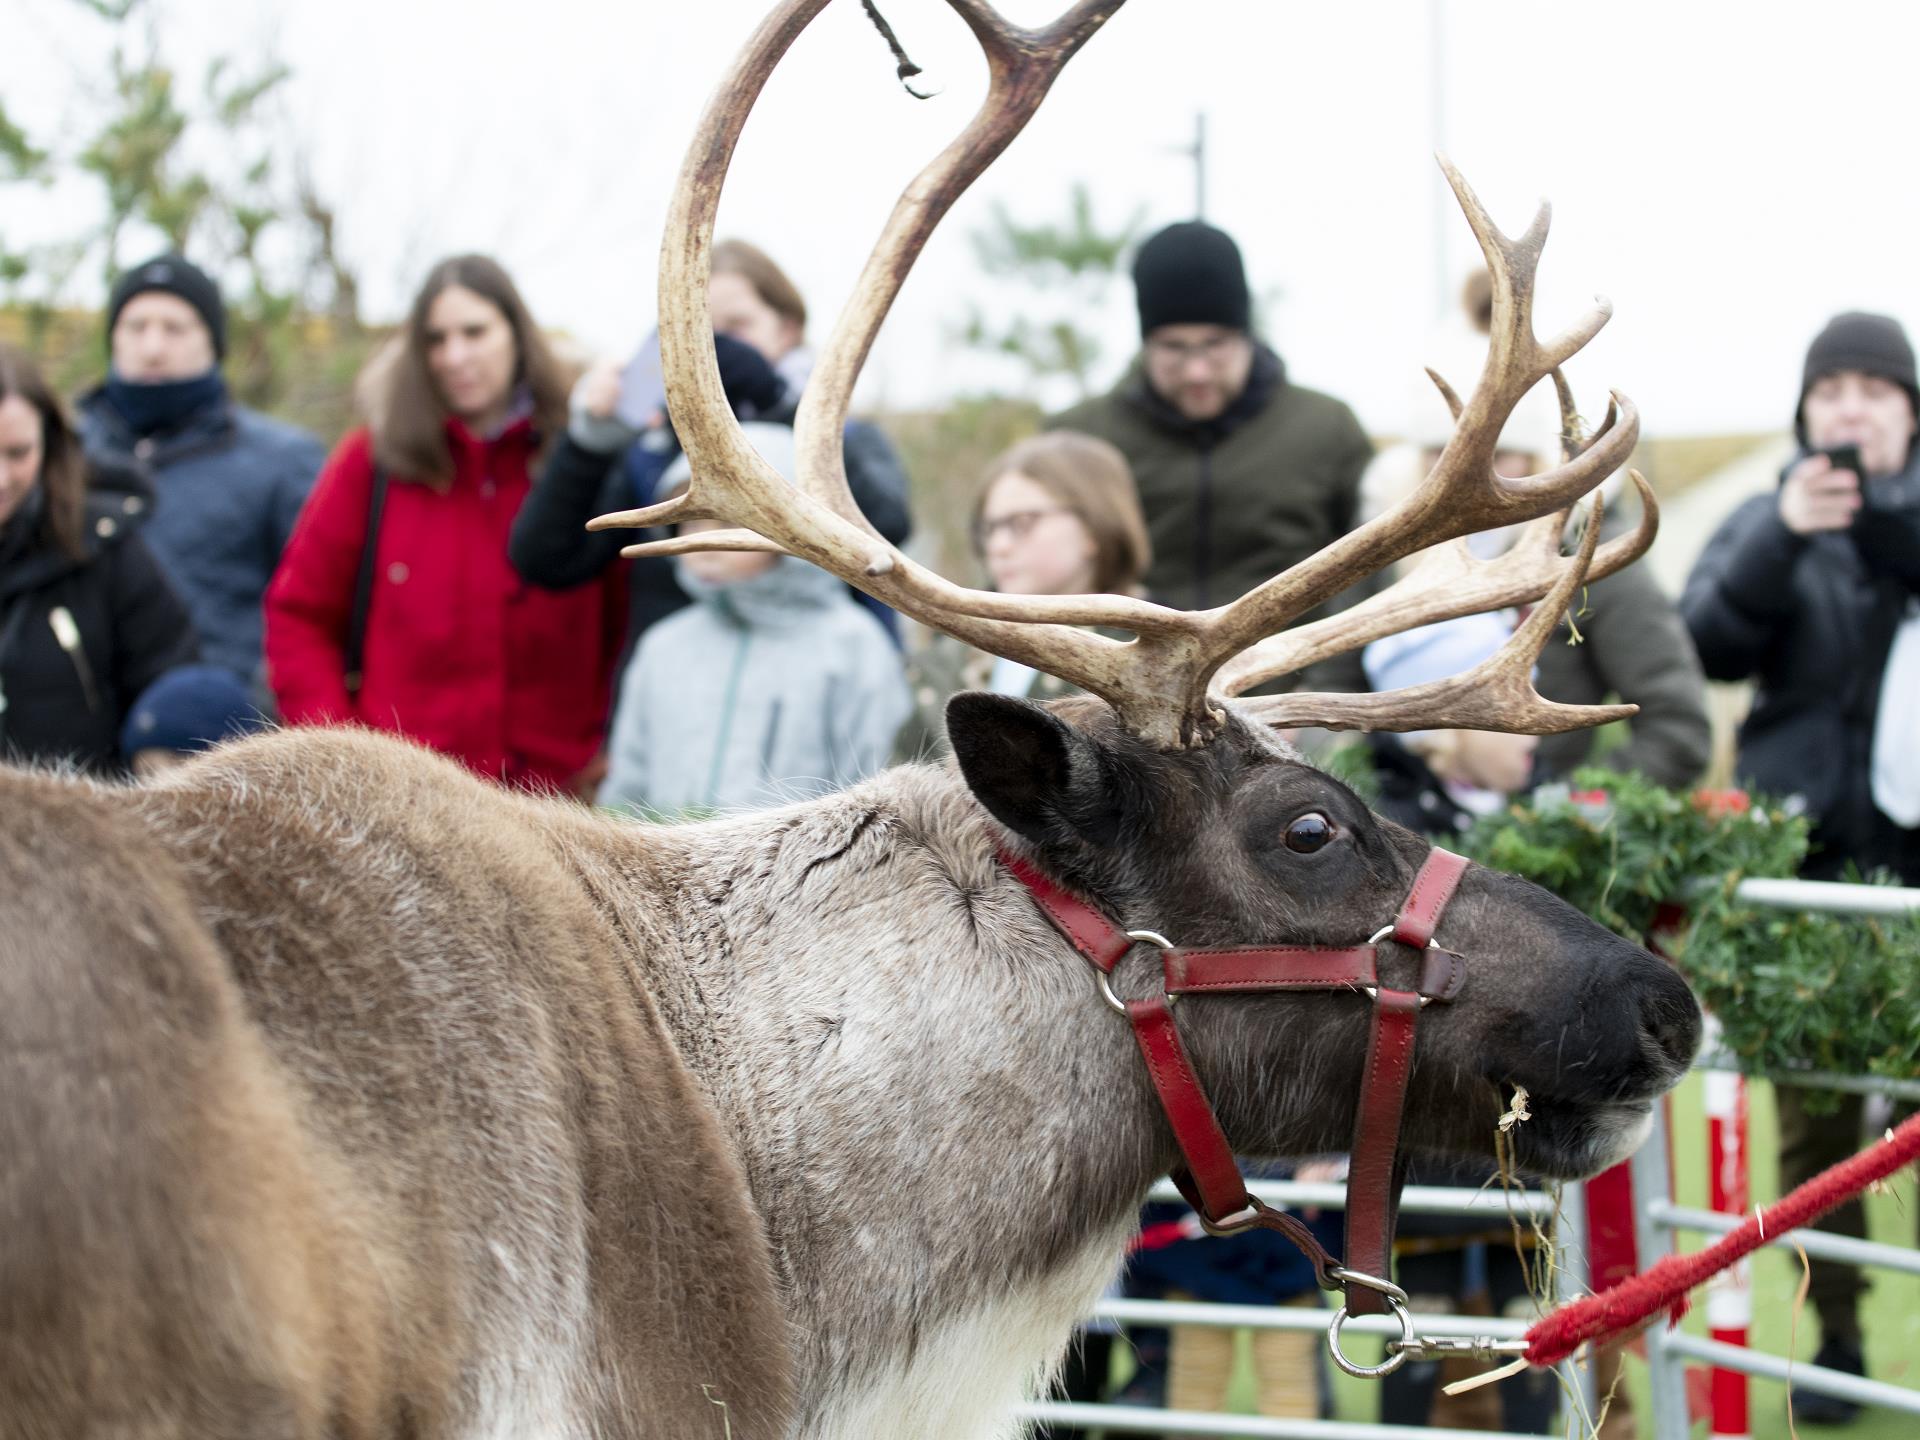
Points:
(228, 485)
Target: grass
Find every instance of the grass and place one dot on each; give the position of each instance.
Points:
(1890, 1314)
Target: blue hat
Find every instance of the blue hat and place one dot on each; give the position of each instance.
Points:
(1433, 652)
(190, 708)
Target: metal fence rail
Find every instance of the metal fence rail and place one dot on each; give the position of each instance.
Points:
(1135, 1420)
(1831, 897)
(1494, 1202)
(1657, 1219)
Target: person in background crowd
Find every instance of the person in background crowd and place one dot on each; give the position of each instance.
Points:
(1241, 472)
(612, 458)
(227, 482)
(1633, 646)
(184, 712)
(1055, 515)
(1437, 782)
(87, 618)
(1810, 593)
(412, 512)
(772, 687)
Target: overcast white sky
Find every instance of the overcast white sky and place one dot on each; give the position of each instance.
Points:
(1728, 175)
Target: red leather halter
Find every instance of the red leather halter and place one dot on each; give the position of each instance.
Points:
(1209, 1178)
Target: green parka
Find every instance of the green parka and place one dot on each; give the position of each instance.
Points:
(1233, 501)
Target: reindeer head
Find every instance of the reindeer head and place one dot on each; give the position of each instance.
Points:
(1171, 802)
(1240, 841)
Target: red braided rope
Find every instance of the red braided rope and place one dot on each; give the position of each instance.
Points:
(1665, 1286)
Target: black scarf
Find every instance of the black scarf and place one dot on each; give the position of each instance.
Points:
(164, 405)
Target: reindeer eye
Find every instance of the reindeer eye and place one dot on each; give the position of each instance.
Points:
(1309, 832)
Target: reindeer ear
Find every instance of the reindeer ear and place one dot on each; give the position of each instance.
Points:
(1035, 773)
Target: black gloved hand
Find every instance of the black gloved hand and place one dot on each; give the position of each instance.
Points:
(752, 386)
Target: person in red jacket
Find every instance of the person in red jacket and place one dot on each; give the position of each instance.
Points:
(454, 649)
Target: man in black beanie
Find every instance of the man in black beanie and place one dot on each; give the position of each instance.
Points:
(1809, 593)
(1241, 473)
(227, 482)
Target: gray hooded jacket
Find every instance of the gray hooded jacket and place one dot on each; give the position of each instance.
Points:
(763, 692)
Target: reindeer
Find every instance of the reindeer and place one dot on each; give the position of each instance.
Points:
(343, 1094)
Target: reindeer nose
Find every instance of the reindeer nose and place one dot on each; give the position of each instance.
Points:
(1670, 1020)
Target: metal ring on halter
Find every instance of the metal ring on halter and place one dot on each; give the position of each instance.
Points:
(1396, 1301)
(1145, 937)
(1395, 1357)
(1373, 991)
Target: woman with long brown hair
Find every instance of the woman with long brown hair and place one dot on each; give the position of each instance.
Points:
(87, 621)
(394, 604)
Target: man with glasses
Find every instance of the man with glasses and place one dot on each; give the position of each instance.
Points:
(1241, 473)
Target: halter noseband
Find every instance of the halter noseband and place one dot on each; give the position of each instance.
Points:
(1210, 1179)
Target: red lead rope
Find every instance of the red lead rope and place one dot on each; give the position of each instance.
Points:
(1665, 1286)
(1210, 1177)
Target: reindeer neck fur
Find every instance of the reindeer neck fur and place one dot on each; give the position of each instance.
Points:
(946, 1134)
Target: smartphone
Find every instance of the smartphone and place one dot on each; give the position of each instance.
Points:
(1844, 457)
(643, 389)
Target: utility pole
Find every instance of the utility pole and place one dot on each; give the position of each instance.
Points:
(1442, 195)
(1197, 152)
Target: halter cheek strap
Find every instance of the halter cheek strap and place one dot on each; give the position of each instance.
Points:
(1208, 1176)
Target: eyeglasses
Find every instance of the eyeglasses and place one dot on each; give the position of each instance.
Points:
(1017, 523)
(1178, 354)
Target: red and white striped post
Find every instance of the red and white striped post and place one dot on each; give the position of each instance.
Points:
(1729, 1294)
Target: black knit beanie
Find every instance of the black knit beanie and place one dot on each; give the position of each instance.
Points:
(1871, 344)
(175, 275)
(1190, 274)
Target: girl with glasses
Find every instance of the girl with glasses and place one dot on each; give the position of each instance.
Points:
(1055, 515)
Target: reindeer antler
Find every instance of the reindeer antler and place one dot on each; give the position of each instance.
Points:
(1167, 683)
(1448, 581)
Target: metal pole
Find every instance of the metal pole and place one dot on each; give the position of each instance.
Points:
(1200, 165)
(1829, 896)
(1730, 1293)
(1715, 1059)
(1488, 1201)
(1666, 1371)
(1134, 1420)
(1442, 196)
(1573, 1278)
(1817, 1243)
(1813, 1377)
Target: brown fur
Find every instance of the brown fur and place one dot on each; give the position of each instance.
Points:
(269, 1073)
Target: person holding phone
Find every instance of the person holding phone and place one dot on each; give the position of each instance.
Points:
(619, 442)
(1811, 594)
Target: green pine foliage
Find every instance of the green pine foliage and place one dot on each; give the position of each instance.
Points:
(1791, 989)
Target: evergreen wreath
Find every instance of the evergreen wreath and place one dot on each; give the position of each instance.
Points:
(1792, 990)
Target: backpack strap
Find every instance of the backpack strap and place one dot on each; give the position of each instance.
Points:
(13, 615)
(363, 583)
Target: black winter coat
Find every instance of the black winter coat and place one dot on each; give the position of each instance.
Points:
(550, 546)
(81, 639)
(1809, 618)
